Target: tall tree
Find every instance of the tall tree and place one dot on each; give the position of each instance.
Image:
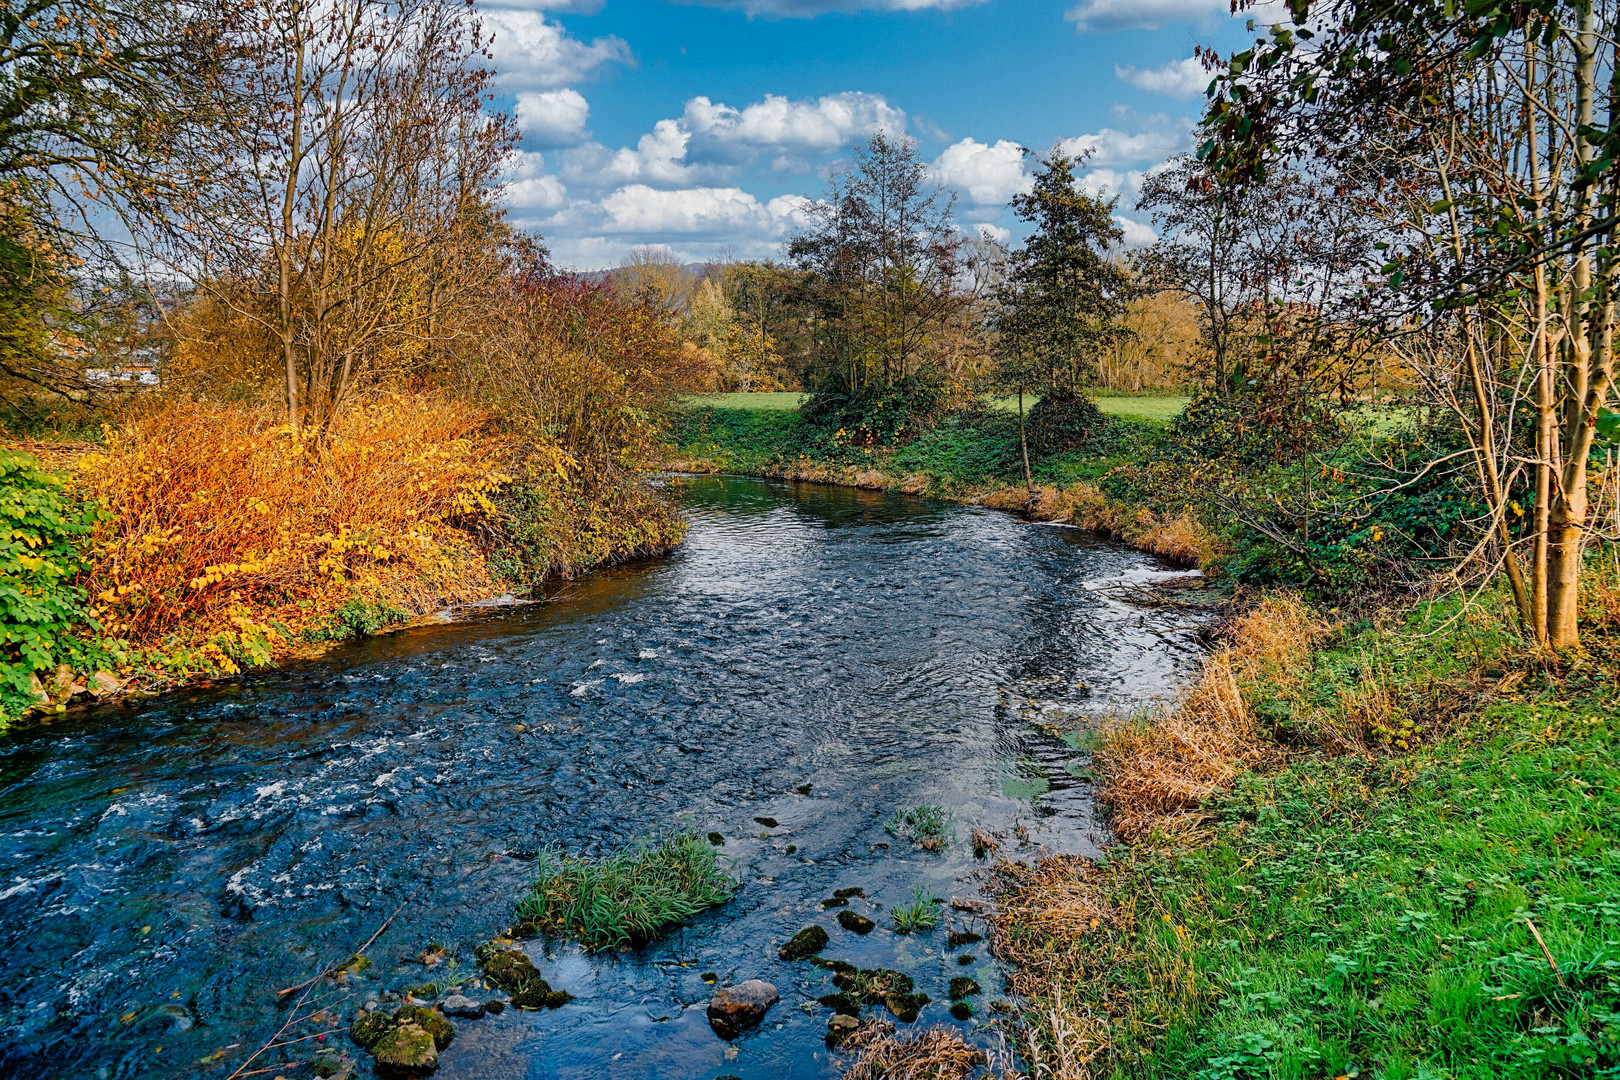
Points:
(99, 107)
(1064, 293)
(883, 251)
(358, 167)
(1483, 136)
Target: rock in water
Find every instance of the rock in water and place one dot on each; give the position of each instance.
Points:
(840, 1028)
(509, 969)
(464, 1008)
(738, 1008)
(369, 1028)
(807, 942)
(442, 1030)
(408, 1050)
(857, 924)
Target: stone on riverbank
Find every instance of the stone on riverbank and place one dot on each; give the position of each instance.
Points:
(839, 1028)
(369, 1028)
(737, 1008)
(442, 1030)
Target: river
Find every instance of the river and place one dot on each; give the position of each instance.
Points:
(165, 867)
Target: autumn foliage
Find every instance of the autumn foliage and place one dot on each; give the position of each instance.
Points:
(229, 537)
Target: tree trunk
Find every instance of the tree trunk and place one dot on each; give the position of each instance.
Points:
(1023, 444)
(1565, 546)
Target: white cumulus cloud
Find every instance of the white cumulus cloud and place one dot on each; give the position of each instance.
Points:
(552, 117)
(529, 188)
(990, 175)
(1108, 15)
(1179, 78)
(535, 54)
(1108, 147)
(824, 123)
(807, 9)
(1136, 234)
(637, 208)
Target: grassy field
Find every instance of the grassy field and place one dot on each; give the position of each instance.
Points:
(1141, 408)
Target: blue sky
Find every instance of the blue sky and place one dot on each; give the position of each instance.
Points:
(703, 125)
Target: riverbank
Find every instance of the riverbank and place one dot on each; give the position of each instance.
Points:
(1384, 848)
(197, 540)
(971, 459)
(1381, 844)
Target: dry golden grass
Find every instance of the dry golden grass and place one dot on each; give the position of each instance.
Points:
(939, 1053)
(1183, 540)
(1156, 773)
(228, 534)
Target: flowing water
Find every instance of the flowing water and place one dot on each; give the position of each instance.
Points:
(165, 867)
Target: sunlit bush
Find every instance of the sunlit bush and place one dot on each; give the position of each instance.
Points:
(228, 537)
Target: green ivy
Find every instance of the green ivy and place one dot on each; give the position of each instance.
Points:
(42, 612)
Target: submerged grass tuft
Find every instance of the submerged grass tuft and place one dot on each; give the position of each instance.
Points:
(921, 914)
(630, 898)
(928, 827)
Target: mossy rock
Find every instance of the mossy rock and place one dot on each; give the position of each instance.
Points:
(716, 839)
(442, 1030)
(963, 937)
(508, 969)
(369, 1028)
(961, 1010)
(845, 1004)
(511, 970)
(838, 967)
(807, 942)
(834, 901)
(905, 1007)
(845, 894)
(539, 995)
(408, 1050)
(524, 929)
(855, 924)
(873, 986)
(768, 822)
(967, 958)
(963, 987)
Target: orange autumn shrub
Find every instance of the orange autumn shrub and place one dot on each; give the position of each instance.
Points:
(229, 538)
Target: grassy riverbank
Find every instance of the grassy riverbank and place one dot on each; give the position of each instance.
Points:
(971, 457)
(1375, 849)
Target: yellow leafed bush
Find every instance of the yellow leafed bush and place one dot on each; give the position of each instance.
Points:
(228, 534)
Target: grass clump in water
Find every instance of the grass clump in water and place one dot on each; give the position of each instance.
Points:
(928, 827)
(630, 898)
(921, 914)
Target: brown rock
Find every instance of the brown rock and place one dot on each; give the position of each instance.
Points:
(735, 1009)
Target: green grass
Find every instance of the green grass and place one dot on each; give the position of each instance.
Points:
(630, 898)
(1372, 914)
(928, 827)
(785, 401)
(961, 452)
(919, 915)
(1146, 407)
(1162, 407)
